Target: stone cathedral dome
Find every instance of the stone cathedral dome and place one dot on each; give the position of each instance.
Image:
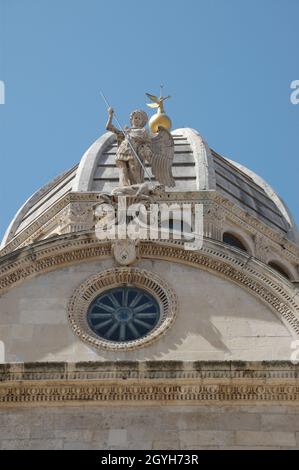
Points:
(196, 168)
(116, 322)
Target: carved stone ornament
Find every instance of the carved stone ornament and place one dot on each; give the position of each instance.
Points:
(124, 251)
(76, 216)
(139, 192)
(95, 285)
(148, 383)
(136, 147)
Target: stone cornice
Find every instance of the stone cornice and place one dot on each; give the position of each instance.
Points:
(252, 275)
(154, 382)
(230, 210)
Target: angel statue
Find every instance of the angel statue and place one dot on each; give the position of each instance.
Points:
(136, 147)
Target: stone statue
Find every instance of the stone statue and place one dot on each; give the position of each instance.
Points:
(136, 147)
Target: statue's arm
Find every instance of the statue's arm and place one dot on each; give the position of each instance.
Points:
(109, 126)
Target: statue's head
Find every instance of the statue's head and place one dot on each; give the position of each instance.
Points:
(138, 118)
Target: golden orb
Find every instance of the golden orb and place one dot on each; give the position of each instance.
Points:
(159, 120)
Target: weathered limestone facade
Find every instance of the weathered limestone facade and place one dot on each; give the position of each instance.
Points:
(233, 324)
(216, 370)
(150, 405)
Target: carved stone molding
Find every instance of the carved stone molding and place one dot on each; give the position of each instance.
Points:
(257, 278)
(46, 256)
(214, 217)
(76, 217)
(164, 382)
(224, 207)
(257, 281)
(254, 226)
(105, 280)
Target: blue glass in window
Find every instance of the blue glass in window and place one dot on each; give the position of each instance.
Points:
(123, 314)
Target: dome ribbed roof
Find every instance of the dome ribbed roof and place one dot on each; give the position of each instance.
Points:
(196, 167)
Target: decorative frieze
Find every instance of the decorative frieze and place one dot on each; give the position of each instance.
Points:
(73, 213)
(144, 383)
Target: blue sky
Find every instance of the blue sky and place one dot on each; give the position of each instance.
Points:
(228, 65)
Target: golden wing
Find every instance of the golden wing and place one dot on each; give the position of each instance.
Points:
(154, 98)
(152, 105)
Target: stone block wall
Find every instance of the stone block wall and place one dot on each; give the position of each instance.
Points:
(149, 405)
(216, 320)
(150, 427)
